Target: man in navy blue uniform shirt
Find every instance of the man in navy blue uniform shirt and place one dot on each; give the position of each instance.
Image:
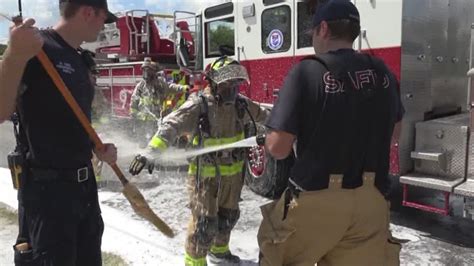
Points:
(341, 108)
(60, 220)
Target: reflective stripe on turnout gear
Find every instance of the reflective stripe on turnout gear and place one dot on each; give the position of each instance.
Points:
(210, 170)
(174, 101)
(181, 100)
(149, 101)
(220, 250)
(158, 143)
(208, 142)
(190, 261)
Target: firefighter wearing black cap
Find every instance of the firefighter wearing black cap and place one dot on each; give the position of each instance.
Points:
(216, 117)
(342, 108)
(59, 215)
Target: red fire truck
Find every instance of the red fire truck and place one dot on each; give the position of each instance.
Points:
(426, 43)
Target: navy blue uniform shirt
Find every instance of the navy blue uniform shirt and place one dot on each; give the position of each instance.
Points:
(54, 136)
(343, 118)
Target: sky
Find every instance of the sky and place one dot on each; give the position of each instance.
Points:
(46, 13)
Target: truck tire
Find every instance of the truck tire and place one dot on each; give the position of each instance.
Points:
(271, 180)
(263, 174)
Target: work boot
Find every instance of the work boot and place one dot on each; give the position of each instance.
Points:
(225, 258)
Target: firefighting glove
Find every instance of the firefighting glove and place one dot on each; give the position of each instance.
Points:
(140, 162)
(261, 139)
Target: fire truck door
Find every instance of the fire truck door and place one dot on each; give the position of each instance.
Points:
(265, 44)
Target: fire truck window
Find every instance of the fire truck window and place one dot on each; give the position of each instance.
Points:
(276, 29)
(271, 2)
(220, 33)
(220, 10)
(304, 26)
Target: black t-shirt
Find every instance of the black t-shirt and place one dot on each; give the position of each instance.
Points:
(54, 136)
(343, 118)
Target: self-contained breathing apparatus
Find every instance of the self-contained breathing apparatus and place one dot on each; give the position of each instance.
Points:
(204, 131)
(224, 76)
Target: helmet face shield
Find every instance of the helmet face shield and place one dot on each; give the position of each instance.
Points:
(229, 73)
(227, 91)
(227, 95)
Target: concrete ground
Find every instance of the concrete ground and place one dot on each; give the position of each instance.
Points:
(7, 142)
(8, 234)
(431, 239)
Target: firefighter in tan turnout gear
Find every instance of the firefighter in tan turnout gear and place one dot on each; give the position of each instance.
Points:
(150, 100)
(215, 117)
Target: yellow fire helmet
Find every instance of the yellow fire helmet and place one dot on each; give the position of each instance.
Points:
(225, 69)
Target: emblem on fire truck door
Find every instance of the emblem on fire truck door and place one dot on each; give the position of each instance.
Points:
(275, 40)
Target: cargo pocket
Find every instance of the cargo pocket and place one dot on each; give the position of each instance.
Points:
(275, 229)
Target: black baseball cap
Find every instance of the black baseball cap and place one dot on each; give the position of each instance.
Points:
(111, 18)
(336, 10)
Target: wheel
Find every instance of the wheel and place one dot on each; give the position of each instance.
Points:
(264, 175)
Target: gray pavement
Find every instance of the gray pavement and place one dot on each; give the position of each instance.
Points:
(433, 239)
(7, 142)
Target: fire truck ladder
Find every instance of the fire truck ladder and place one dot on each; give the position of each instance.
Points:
(181, 35)
(138, 34)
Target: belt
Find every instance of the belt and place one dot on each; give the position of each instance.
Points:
(335, 182)
(78, 175)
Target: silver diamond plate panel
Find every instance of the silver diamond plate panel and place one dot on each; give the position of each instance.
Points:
(431, 182)
(450, 38)
(466, 189)
(435, 59)
(470, 158)
(415, 74)
(447, 135)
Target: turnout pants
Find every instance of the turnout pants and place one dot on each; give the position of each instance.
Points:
(214, 207)
(333, 226)
(60, 220)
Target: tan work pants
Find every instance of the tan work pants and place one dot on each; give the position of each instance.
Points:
(334, 226)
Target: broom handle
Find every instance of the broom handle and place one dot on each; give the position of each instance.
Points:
(58, 81)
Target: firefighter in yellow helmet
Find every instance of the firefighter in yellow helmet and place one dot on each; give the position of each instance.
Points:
(215, 116)
(148, 99)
